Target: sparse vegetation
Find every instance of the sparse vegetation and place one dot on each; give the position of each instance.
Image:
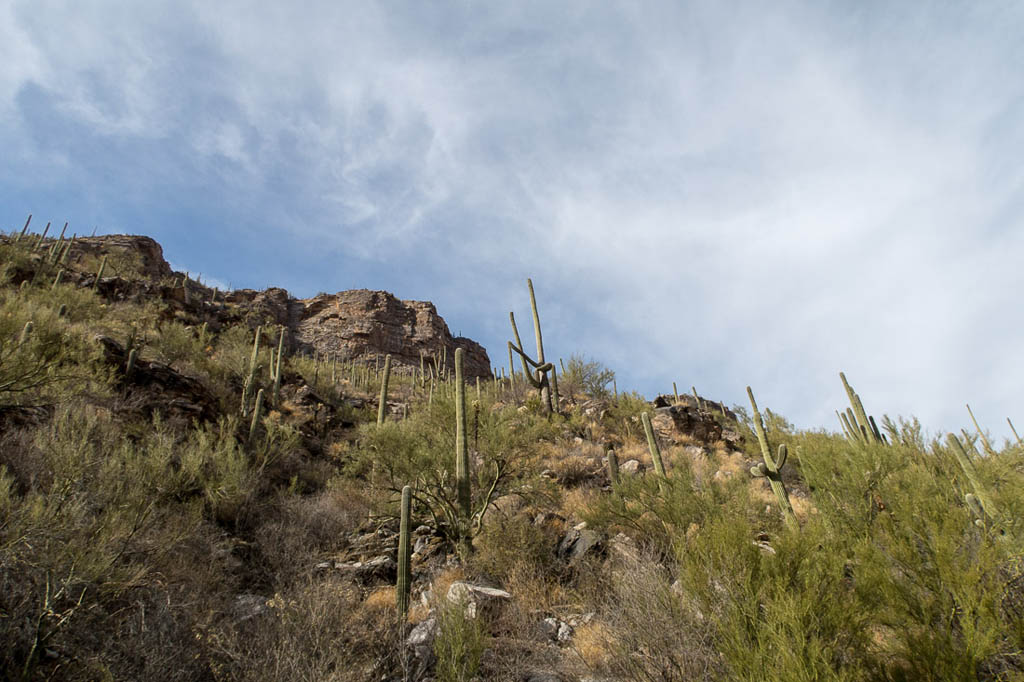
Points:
(149, 530)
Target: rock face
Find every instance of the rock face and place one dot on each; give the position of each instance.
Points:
(355, 325)
(361, 323)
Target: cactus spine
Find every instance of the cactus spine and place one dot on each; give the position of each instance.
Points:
(770, 468)
(382, 408)
(256, 413)
(652, 445)
(461, 450)
(403, 582)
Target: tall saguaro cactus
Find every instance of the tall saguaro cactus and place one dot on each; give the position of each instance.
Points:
(538, 375)
(461, 450)
(771, 467)
(382, 408)
(250, 379)
(403, 583)
(652, 445)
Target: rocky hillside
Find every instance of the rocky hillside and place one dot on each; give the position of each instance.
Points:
(357, 325)
(180, 501)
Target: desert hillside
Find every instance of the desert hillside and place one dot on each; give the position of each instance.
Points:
(242, 485)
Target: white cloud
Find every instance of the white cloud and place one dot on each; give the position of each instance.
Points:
(707, 193)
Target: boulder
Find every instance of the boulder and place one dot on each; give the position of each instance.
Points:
(579, 543)
(476, 598)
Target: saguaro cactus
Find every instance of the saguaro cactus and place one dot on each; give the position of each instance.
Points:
(403, 583)
(862, 424)
(382, 408)
(770, 468)
(980, 500)
(275, 368)
(461, 450)
(99, 274)
(538, 376)
(613, 468)
(250, 379)
(256, 413)
(981, 434)
(652, 445)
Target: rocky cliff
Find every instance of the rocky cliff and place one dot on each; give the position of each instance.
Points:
(354, 325)
(360, 324)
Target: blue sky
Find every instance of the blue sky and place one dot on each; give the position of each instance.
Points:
(712, 193)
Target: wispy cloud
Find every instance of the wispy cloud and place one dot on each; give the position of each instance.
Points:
(709, 193)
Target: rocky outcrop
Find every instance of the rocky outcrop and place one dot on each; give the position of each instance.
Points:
(361, 323)
(125, 253)
(353, 325)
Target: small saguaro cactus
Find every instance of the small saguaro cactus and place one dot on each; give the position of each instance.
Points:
(613, 468)
(403, 583)
(58, 278)
(24, 229)
(99, 273)
(256, 414)
(382, 408)
(26, 332)
(462, 483)
(652, 445)
(675, 392)
(133, 356)
(769, 467)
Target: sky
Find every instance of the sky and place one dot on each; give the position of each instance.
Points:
(719, 194)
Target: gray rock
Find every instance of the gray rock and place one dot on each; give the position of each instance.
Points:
(556, 630)
(475, 598)
(579, 543)
(379, 568)
(633, 467)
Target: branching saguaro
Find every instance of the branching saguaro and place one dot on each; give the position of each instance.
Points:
(770, 468)
(536, 371)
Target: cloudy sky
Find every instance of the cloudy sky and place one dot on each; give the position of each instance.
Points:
(713, 193)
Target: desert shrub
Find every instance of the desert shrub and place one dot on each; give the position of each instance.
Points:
(658, 512)
(585, 376)
(421, 451)
(317, 629)
(514, 543)
(460, 643)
